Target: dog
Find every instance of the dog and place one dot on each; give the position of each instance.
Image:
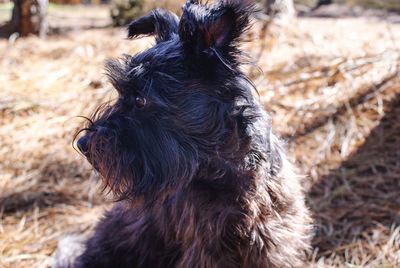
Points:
(187, 150)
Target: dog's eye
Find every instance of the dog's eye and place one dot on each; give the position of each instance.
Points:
(140, 102)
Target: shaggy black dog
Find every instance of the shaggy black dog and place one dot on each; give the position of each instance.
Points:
(188, 151)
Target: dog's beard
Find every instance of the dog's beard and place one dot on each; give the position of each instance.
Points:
(110, 162)
(141, 163)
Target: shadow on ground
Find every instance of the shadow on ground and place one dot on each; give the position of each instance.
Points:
(50, 185)
(364, 193)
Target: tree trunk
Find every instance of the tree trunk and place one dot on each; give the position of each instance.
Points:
(274, 7)
(28, 17)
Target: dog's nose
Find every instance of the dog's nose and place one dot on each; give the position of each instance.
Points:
(82, 145)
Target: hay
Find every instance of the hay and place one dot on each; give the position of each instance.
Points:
(333, 93)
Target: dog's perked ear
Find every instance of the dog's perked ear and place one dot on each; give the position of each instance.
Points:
(161, 23)
(208, 30)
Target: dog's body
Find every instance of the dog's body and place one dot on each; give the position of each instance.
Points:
(188, 151)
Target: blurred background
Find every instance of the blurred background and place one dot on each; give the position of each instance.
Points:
(326, 70)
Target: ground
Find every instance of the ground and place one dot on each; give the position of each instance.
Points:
(332, 87)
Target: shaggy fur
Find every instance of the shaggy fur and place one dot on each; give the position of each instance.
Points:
(188, 151)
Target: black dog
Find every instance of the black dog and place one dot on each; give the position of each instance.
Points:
(188, 151)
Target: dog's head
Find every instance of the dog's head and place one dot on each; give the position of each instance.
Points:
(181, 111)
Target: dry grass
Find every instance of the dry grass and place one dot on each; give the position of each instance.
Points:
(334, 94)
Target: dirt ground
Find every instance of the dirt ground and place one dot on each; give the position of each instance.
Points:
(331, 85)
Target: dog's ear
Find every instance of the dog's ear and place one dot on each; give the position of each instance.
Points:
(216, 28)
(161, 23)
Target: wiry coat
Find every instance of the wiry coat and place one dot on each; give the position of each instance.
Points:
(188, 151)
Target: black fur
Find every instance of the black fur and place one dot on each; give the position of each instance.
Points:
(188, 152)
